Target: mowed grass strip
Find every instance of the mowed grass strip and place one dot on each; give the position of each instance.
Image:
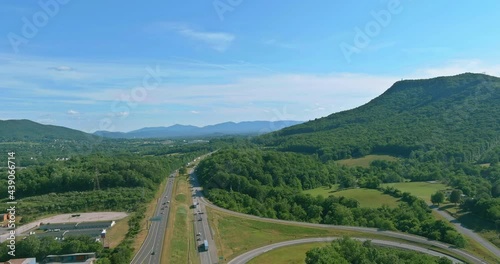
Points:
(179, 246)
(366, 197)
(295, 254)
(366, 160)
(236, 235)
(369, 197)
(116, 234)
(325, 191)
(422, 190)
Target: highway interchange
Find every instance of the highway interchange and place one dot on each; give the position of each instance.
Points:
(202, 231)
(247, 256)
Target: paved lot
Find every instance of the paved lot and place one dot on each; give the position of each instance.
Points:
(67, 218)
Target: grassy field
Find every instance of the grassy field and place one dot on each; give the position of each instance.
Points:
(235, 235)
(366, 197)
(116, 234)
(179, 246)
(287, 255)
(422, 190)
(366, 160)
(325, 191)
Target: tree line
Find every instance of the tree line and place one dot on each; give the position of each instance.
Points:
(350, 251)
(269, 184)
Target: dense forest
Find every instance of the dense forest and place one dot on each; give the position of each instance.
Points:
(269, 184)
(41, 247)
(447, 118)
(349, 251)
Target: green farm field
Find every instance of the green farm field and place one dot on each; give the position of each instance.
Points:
(366, 160)
(422, 190)
(366, 197)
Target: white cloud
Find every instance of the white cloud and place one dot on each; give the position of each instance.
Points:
(73, 112)
(233, 91)
(219, 41)
(216, 40)
(61, 68)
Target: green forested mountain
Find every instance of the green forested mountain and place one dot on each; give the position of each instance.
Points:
(26, 130)
(441, 128)
(446, 117)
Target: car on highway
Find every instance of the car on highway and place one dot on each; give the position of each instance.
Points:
(199, 234)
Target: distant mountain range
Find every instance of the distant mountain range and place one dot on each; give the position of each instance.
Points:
(227, 128)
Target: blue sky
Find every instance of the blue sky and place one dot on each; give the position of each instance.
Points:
(123, 65)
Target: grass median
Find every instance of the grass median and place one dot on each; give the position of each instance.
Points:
(179, 246)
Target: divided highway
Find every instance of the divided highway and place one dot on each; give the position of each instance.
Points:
(150, 251)
(202, 228)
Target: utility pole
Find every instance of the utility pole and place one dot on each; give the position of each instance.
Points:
(96, 180)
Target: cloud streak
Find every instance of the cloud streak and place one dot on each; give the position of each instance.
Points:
(219, 41)
(193, 92)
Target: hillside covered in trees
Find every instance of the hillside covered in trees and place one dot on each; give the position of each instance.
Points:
(446, 117)
(441, 129)
(270, 184)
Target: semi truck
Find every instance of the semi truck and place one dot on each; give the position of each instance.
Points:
(205, 244)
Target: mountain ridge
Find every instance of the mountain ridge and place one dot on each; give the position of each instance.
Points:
(225, 128)
(25, 129)
(457, 113)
